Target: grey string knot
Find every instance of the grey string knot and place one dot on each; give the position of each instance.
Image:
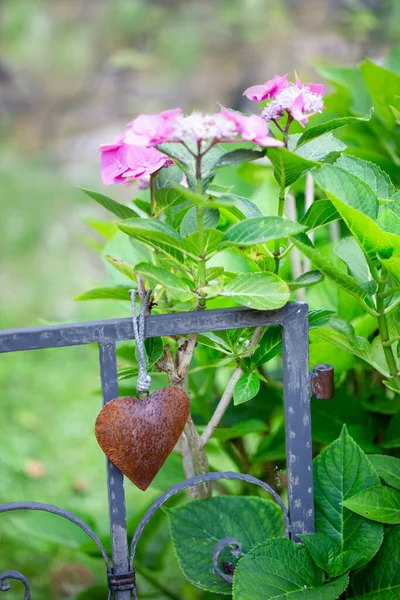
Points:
(143, 380)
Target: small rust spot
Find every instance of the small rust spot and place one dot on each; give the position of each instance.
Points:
(322, 383)
(138, 435)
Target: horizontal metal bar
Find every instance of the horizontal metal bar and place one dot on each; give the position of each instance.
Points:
(117, 330)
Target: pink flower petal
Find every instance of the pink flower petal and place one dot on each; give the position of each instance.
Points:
(259, 93)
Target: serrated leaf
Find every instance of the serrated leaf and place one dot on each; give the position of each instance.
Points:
(262, 291)
(383, 86)
(317, 149)
(238, 156)
(341, 334)
(388, 468)
(111, 292)
(347, 283)
(260, 230)
(389, 221)
(190, 223)
(122, 211)
(239, 206)
(281, 570)
(269, 346)
(326, 554)
(212, 239)
(379, 503)
(288, 166)
(246, 388)
(166, 197)
(341, 471)
(370, 173)
(358, 207)
(197, 527)
(306, 279)
(160, 276)
(321, 212)
(351, 254)
(156, 234)
(319, 130)
(380, 580)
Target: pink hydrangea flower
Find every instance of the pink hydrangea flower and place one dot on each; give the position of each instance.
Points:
(151, 130)
(300, 101)
(121, 163)
(173, 126)
(269, 89)
(251, 128)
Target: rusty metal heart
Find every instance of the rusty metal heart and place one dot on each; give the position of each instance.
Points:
(138, 435)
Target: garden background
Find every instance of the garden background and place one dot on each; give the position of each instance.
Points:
(72, 74)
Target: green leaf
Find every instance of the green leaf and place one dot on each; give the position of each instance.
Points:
(379, 503)
(246, 388)
(341, 333)
(351, 254)
(389, 221)
(260, 230)
(387, 467)
(166, 197)
(306, 279)
(281, 570)
(156, 234)
(190, 224)
(160, 276)
(269, 346)
(383, 86)
(347, 283)
(212, 240)
(239, 206)
(357, 205)
(370, 173)
(319, 130)
(380, 580)
(154, 350)
(197, 527)
(321, 212)
(262, 291)
(392, 61)
(392, 433)
(319, 318)
(238, 156)
(341, 471)
(122, 211)
(317, 149)
(122, 266)
(349, 81)
(326, 553)
(288, 167)
(111, 292)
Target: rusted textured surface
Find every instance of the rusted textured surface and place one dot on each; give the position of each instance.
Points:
(138, 435)
(322, 382)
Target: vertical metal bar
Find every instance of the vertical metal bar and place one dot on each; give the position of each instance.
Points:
(115, 479)
(298, 421)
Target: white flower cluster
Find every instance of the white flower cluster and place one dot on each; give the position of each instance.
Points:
(196, 127)
(313, 103)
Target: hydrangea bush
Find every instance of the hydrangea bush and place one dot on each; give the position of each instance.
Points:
(199, 244)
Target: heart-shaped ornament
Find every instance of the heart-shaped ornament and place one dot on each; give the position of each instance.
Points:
(138, 435)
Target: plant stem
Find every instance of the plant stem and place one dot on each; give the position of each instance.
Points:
(384, 334)
(201, 275)
(281, 209)
(152, 194)
(228, 393)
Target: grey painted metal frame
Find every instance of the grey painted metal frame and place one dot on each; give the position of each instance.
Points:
(294, 321)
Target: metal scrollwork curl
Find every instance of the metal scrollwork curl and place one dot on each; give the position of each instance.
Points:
(17, 576)
(226, 542)
(229, 568)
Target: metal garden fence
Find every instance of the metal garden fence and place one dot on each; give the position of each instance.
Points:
(298, 384)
